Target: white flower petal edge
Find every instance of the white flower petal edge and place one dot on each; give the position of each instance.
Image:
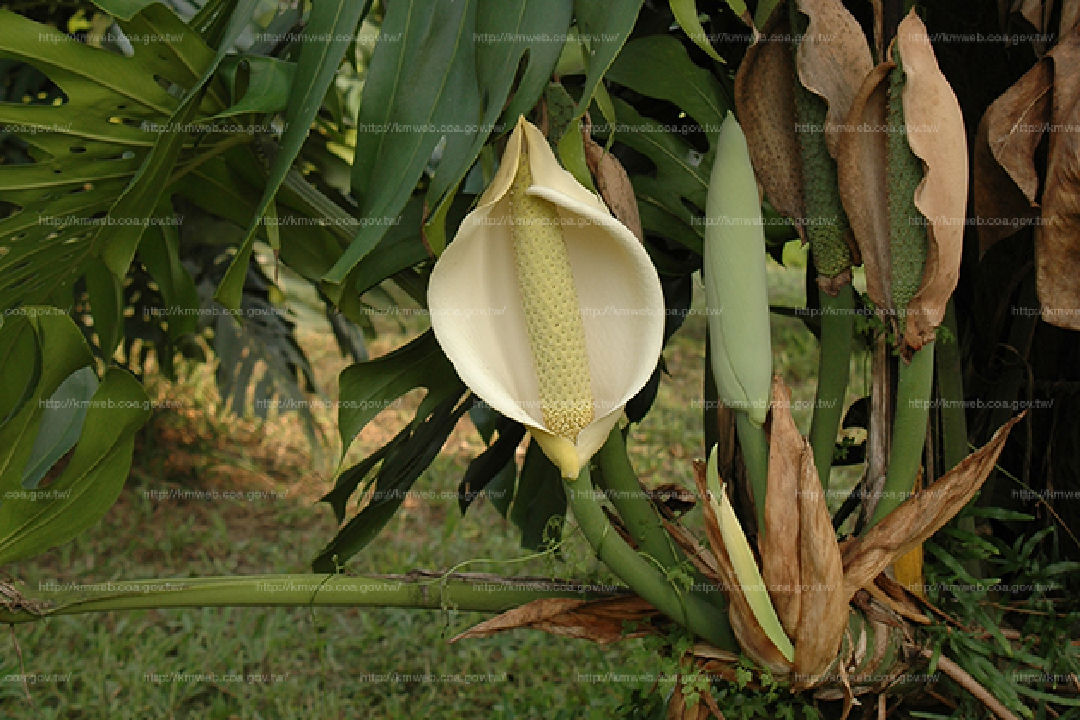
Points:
(477, 316)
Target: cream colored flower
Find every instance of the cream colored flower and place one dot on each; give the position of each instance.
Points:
(548, 307)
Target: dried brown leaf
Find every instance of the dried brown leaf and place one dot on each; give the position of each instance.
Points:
(833, 59)
(679, 709)
(861, 172)
(1057, 239)
(598, 620)
(895, 596)
(613, 183)
(1015, 125)
(824, 602)
(935, 132)
(765, 100)
(1032, 11)
(779, 542)
(1070, 16)
(921, 515)
(998, 203)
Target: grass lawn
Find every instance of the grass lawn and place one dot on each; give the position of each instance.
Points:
(264, 517)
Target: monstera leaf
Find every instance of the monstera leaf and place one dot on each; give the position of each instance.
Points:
(101, 151)
(53, 404)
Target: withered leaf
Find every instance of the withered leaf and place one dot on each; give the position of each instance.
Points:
(1035, 12)
(765, 100)
(1070, 16)
(921, 515)
(833, 59)
(598, 620)
(1057, 239)
(824, 602)
(613, 183)
(935, 132)
(1014, 125)
(1043, 102)
(861, 173)
(779, 542)
(679, 708)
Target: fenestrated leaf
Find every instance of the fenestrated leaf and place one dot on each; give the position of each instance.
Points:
(263, 85)
(61, 424)
(680, 172)
(119, 237)
(159, 251)
(63, 351)
(399, 249)
(106, 305)
(91, 481)
(368, 388)
(327, 35)
(20, 364)
(88, 148)
(350, 479)
(399, 470)
(539, 508)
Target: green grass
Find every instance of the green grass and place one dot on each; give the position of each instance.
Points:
(333, 663)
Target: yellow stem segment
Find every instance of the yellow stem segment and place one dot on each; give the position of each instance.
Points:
(552, 311)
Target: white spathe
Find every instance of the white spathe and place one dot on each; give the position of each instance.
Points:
(477, 314)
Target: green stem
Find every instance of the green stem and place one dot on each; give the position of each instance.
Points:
(634, 507)
(954, 441)
(641, 517)
(834, 368)
(913, 392)
(954, 438)
(414, 590)
(755, 453)
(689, 610)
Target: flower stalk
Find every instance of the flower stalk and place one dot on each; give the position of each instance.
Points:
(415, 590)
(690, 610)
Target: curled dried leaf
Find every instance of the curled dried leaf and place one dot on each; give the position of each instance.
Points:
(921, 515)
(601, 621)
(833, 59)
(934, 129)
(823, 600)
(935, 132)
(1057, 249)
(779, 542)
(613, 183)
(765, 99)
(862, 174)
